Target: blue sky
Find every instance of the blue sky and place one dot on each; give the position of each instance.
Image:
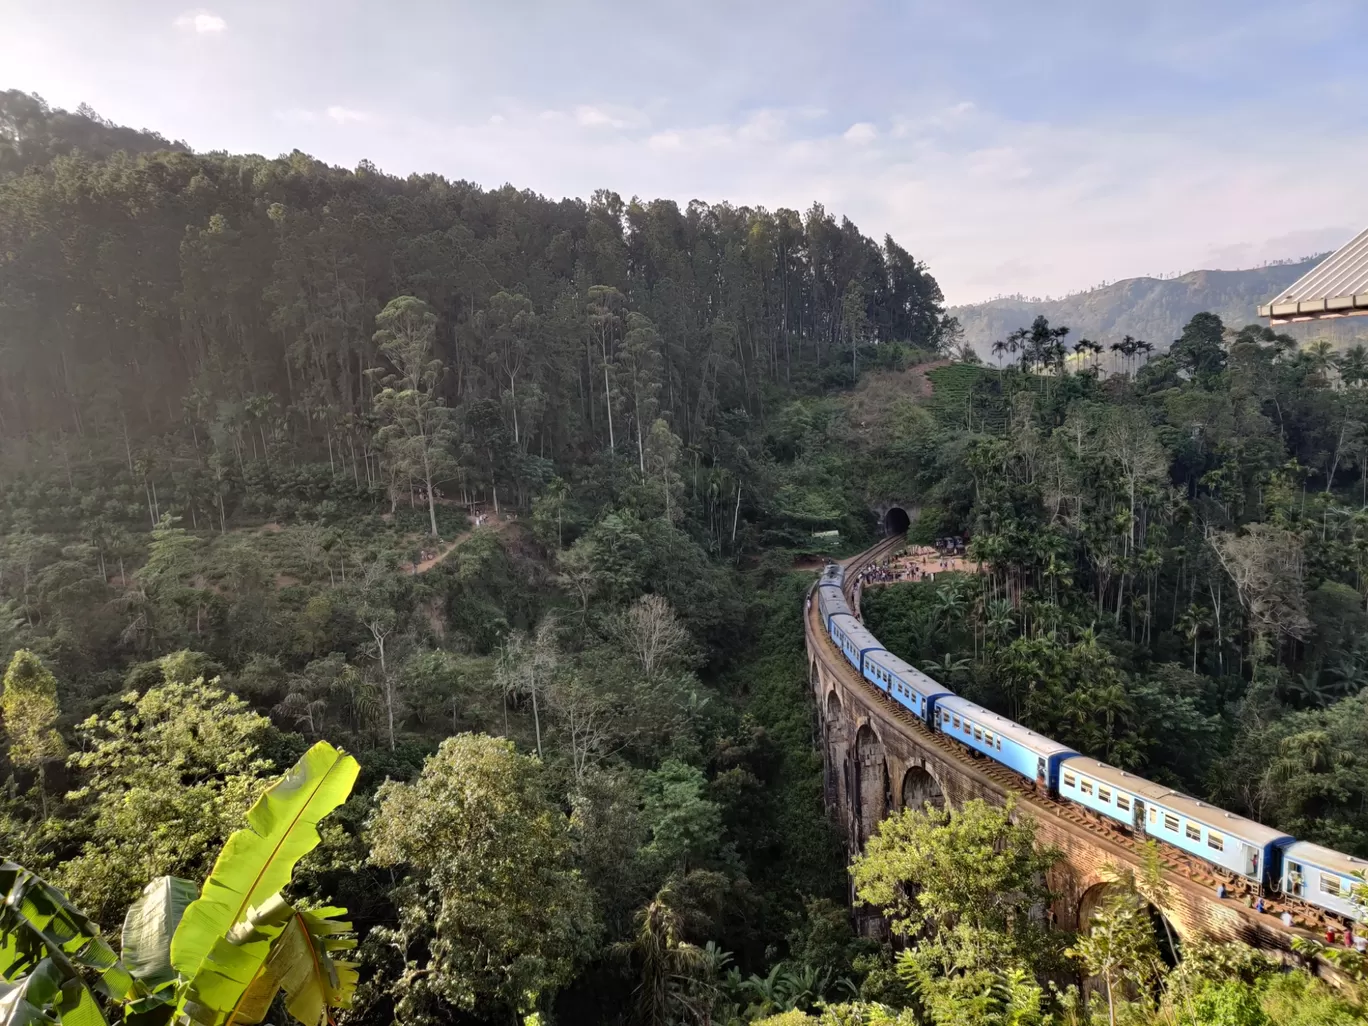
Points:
(1036, 147)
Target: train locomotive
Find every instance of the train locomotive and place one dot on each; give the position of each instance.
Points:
(1265, 859)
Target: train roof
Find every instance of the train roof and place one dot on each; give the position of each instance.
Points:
(1038, 743)
(1118, 778)
(909, 674)
(1219, 819)
(856, 631)
(1326, 858)
(833, 573)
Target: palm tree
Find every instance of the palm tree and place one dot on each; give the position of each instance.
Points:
(945, 669)
(1192, 621)
(1353, 366)
(669, 965)
(1320, 357)
(1000, 623)
(999, 348)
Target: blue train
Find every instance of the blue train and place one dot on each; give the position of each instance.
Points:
(1267, 859)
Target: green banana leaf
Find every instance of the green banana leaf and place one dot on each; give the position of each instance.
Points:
(257, 861)
(304, 959)
(149, 926)
(38, 924)
(27, 1002)
(235, 964)
(303, 964)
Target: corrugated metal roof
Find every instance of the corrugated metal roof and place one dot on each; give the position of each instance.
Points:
(1336, 287)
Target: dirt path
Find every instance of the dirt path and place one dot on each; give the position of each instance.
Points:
(921, 376)
(442, 553)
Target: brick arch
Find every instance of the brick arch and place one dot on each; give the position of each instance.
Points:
(919, 788)
(1166, 934)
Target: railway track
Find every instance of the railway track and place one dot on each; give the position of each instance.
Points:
(1192, 878)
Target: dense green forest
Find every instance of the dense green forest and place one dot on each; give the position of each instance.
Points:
(504, 496)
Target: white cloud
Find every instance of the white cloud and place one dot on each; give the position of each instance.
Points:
(201, 22)
(345, 115)
(592, 117)
(861, 132)
(615, 117)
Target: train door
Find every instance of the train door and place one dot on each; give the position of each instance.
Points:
(1139, 816)
(1041, 782)
(1294, 879)
(1251, 861)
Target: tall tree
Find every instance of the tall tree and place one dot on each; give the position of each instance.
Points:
(493, 917)
(417, 428)
(29, 706)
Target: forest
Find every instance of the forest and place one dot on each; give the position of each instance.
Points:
(401, 588)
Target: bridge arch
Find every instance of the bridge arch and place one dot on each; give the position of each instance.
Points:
(921, 788)
(1166, 937)
(872, 798)
(896, 520)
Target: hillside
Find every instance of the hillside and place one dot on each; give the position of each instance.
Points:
(1151, 308)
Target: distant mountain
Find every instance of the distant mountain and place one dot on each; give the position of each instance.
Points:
(1153, 309)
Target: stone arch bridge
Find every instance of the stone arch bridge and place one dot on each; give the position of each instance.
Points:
(880, 758)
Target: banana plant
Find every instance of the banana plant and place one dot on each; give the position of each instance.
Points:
(212, 956)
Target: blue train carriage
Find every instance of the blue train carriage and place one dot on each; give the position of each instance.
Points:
(831, 600)
(905, 684)
(1109, 791)
(852, 638)
(1032, 755)
(1238, 845)
(1323, 877)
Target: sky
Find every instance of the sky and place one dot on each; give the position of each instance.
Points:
(1037, 148)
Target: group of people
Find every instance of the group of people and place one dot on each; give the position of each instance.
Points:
(1333, 935)
(922, 563)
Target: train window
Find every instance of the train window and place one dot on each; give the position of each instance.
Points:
(1193, 832)
(978, 734)
(1215, 841)
(1070, 780)
(1153, 815)
(1086, 786)
(1170, 822)
(1123, 802)
(1103, 794)
(1329, 884)
(988, 738)
(967, 726)
(999, 744)
(957, 723)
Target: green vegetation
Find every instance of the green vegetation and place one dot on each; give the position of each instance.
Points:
(504, 497)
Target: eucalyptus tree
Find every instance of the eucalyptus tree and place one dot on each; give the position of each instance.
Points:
(417, 431)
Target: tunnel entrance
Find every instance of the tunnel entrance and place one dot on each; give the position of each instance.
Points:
(896, 521)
